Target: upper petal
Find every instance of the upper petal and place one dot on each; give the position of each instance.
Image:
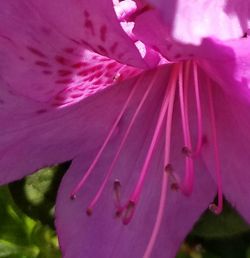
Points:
(52, 49)
(228, 63)
(190, 21)
(58, 25)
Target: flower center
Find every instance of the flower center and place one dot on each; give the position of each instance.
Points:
(183, 79)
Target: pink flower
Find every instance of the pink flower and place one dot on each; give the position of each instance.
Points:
(150, 152)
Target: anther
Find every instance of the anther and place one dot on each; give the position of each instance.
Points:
(73, 197)
(118, 212)
(129, 212)
(187, 152)
(117, 193)
(214, 208)
(89, 211)
(175, 186)
(169, 169)
(117, 185)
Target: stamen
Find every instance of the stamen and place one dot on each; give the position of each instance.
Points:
(135, 115)
(198, 108)
(93, 164)
(117, 194)
(159, 217)
(187, 185)
(89, 212)
(72, 196)
(168, 168)
(169, 96)
(128, 212)
(217, 209)
(187, 152)
(175, 185)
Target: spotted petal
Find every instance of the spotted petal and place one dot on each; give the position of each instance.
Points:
(47, 47)
(48, 138)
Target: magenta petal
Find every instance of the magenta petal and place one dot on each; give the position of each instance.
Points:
(59, 52)
(47, 138)
(66, 24)
(104, 235)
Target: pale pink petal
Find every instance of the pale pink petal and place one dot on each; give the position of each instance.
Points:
(228, 64)
(191, 21)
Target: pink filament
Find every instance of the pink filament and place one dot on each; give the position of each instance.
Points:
(164, 186)
(171, 87)
(217, 209)
(109, 173)
(198, 108)
(93, 164)
(187, 186)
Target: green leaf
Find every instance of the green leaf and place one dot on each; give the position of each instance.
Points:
(21, 236)
(229, 223)
(8, 249)
(36, 194)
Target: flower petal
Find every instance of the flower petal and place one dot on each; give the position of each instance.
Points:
(190, 21)
(39, 23)
(49, 47)
(103, 235)
(228, 64)
(46, 138)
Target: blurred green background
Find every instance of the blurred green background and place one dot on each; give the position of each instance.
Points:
(27, 230)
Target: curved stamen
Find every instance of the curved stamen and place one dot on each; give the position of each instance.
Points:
(169, 96)
(198, 108)
(135, 115)
(168, 169)
(217, 209)
(187, 185)
(117, 194)
(111, 132)
(128, 212)
(159, 216)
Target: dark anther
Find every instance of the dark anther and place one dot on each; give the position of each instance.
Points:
(169, 168)
(89, 211)
(186, 151)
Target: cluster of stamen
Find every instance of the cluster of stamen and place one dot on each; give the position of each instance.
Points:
(182, 77)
